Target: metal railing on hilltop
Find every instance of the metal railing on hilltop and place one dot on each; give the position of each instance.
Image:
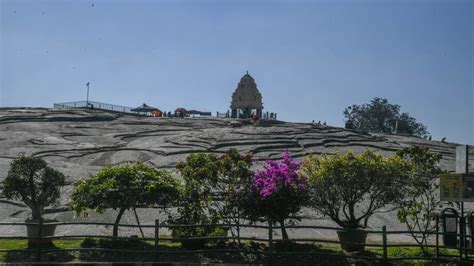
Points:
(95, 105)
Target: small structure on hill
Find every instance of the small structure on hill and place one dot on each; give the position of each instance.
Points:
(180, 112)
(198, 113)
(144, 108)
(246, 100)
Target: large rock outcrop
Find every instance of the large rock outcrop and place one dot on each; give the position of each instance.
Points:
(77, 142)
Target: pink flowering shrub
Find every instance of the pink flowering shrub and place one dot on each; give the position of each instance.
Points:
(275, 193)
(279, 176)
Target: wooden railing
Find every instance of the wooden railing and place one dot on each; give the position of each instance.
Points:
(270, 252)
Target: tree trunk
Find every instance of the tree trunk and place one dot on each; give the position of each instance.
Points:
(284, 234)
(238, 228)
(138, 222)
(117, 221)
(35, 214)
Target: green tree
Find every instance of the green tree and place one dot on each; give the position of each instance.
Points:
(419, 209)
(125, 187)
(30, 180)
(380, 116)
(200, 172)
(212, 186)
(234, 174)
(350, 188)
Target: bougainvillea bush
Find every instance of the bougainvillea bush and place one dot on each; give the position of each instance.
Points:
(276, 192)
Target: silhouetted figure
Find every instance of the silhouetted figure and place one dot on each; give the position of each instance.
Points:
(429, 138)
(443, 139)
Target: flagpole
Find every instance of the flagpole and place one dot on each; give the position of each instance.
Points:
(87, 101)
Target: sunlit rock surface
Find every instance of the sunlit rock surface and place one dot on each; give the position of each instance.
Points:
(78, 142)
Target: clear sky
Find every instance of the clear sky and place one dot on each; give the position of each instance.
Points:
(310, 59)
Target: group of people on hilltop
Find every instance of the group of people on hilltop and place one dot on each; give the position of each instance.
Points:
(319, 123)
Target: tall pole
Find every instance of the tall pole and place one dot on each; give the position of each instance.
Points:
(467, 159)
(87, 101)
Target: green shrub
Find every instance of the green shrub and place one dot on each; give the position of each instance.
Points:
(210, 231)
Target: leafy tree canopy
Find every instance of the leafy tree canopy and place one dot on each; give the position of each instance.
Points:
(210, 193)
(200, 173)
(380, 116)
(234, 175)
(419, 209)
(350, 188)
(212, 183)
(30, 180)
(125, 187)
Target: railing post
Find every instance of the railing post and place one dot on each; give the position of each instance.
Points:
(238, 229)
(270, 242)
(384, 239)
(38, 241)
(157, 234)
(437, 239)
(461, 236)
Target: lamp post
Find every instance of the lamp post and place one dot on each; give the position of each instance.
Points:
(87, 101)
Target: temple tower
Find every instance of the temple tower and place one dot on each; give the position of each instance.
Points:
(246, 99)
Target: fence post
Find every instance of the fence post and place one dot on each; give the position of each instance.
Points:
(384, 239)
(157, 234)
(238, 229)
(38, 241)
(270, 242)
(461, 235)
(437, 239)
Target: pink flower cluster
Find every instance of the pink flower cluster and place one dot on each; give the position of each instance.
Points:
(278, 175)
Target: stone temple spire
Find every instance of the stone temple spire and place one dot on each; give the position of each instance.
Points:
(246, 97)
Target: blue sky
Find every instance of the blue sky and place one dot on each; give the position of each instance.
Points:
(310, 59)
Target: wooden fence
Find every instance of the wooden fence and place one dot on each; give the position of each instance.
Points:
(270, 253)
